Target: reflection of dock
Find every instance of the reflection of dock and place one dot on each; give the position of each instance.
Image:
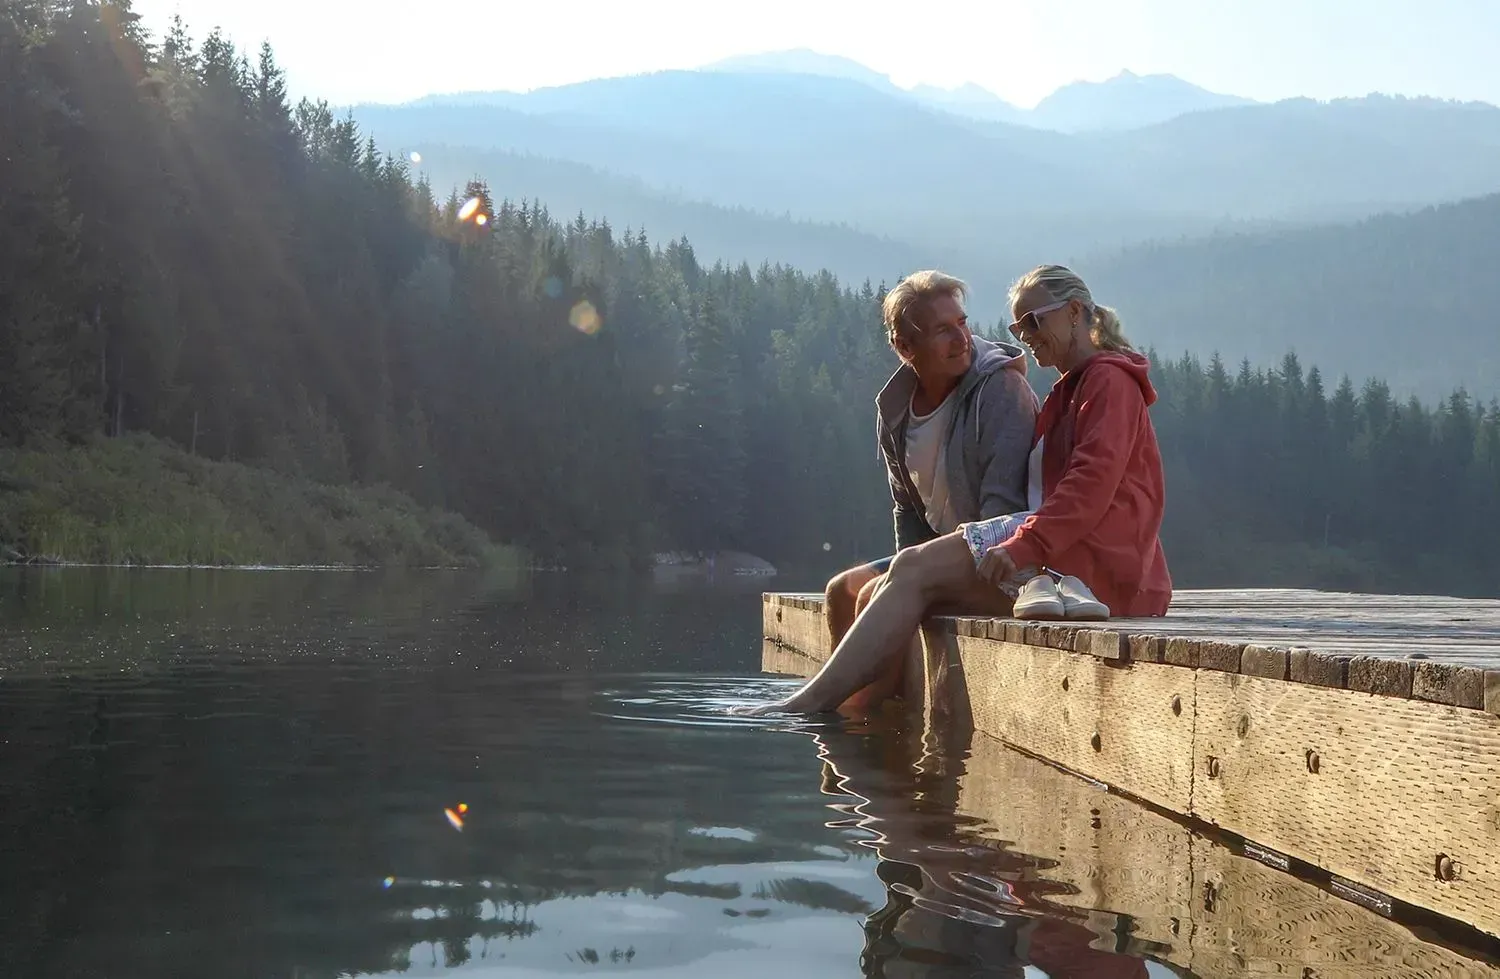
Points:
(1340, 733)
(1167, 892)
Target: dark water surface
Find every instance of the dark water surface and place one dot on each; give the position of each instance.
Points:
(234, 773)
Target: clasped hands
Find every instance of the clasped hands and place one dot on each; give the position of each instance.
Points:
(997, 567)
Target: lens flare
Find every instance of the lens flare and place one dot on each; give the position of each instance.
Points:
(481, 220)
(416, 157)
(455, 819)
(470, 208)
(390, 881)
(585, 318)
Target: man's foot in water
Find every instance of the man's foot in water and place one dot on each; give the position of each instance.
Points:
(759, 710)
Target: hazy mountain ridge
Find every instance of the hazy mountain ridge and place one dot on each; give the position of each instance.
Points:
(834, 150)
(1124, 101)
(717, 233)
(1360, 299)
(880, 183)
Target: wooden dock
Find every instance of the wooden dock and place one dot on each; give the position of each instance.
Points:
(1354, 735)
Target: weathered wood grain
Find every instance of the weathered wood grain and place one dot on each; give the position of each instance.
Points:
(1267, 661)
(1318, 668)
(1376, 789)
(1388, 677)
(797, 622)
(786, 660)
(1146, 648)
(1445, 683)
(1130, 727)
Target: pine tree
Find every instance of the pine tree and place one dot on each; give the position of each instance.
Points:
(43, 338)
(704, 476)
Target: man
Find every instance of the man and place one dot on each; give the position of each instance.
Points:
(955, 425)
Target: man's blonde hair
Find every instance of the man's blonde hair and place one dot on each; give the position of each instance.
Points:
(911, 292)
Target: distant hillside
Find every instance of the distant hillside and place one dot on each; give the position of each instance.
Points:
(733, 235)
(843, 156)
(1302, 158)
(804, 61)
(967, 100)
(831, 150)
(1410, 298)
(1126, 101)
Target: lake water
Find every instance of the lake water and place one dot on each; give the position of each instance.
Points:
(317, 774)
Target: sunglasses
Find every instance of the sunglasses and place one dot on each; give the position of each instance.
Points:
(1032, 322)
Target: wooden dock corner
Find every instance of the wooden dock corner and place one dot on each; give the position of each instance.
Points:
(1355, 734)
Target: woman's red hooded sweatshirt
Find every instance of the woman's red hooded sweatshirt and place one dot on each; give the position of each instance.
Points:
(1102, 487)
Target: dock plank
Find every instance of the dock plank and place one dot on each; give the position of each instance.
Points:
(1460, 632)
(1299, 769)
(1086, 715)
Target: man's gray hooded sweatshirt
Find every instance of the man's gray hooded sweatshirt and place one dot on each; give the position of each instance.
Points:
(987, 445)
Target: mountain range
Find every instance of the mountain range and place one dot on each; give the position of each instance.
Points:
(821, 162)
(1125, 101)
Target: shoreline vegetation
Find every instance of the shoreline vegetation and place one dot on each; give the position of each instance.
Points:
(138, 500)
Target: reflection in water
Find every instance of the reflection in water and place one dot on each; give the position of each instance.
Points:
(249, 775)
(953, 907)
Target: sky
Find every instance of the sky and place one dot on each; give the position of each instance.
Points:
(347, 51)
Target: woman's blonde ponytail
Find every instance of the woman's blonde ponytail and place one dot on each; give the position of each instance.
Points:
(1106, 332)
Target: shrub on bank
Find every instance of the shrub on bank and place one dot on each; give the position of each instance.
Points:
(139, 500)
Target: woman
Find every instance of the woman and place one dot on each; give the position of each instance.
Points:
(1102, 495)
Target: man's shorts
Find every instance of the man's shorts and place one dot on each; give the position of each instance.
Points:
(881, 566)
(981, 535)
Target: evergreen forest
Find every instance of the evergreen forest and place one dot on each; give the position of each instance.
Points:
(194, 266)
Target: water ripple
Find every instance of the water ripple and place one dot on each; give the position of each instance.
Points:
(697, 701)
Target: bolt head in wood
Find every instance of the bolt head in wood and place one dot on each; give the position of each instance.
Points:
(1313, 761)
(1213, 767)
(1448, 869)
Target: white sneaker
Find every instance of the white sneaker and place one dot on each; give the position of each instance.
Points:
(1078, 602)
(1039, 599)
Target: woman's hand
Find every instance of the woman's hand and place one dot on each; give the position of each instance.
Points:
(996, 566)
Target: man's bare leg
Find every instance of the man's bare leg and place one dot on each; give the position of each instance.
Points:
(978, 599)
(888, 684)
(940, 570)
(841, 600)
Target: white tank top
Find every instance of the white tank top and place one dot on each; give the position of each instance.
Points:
(926, 460)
